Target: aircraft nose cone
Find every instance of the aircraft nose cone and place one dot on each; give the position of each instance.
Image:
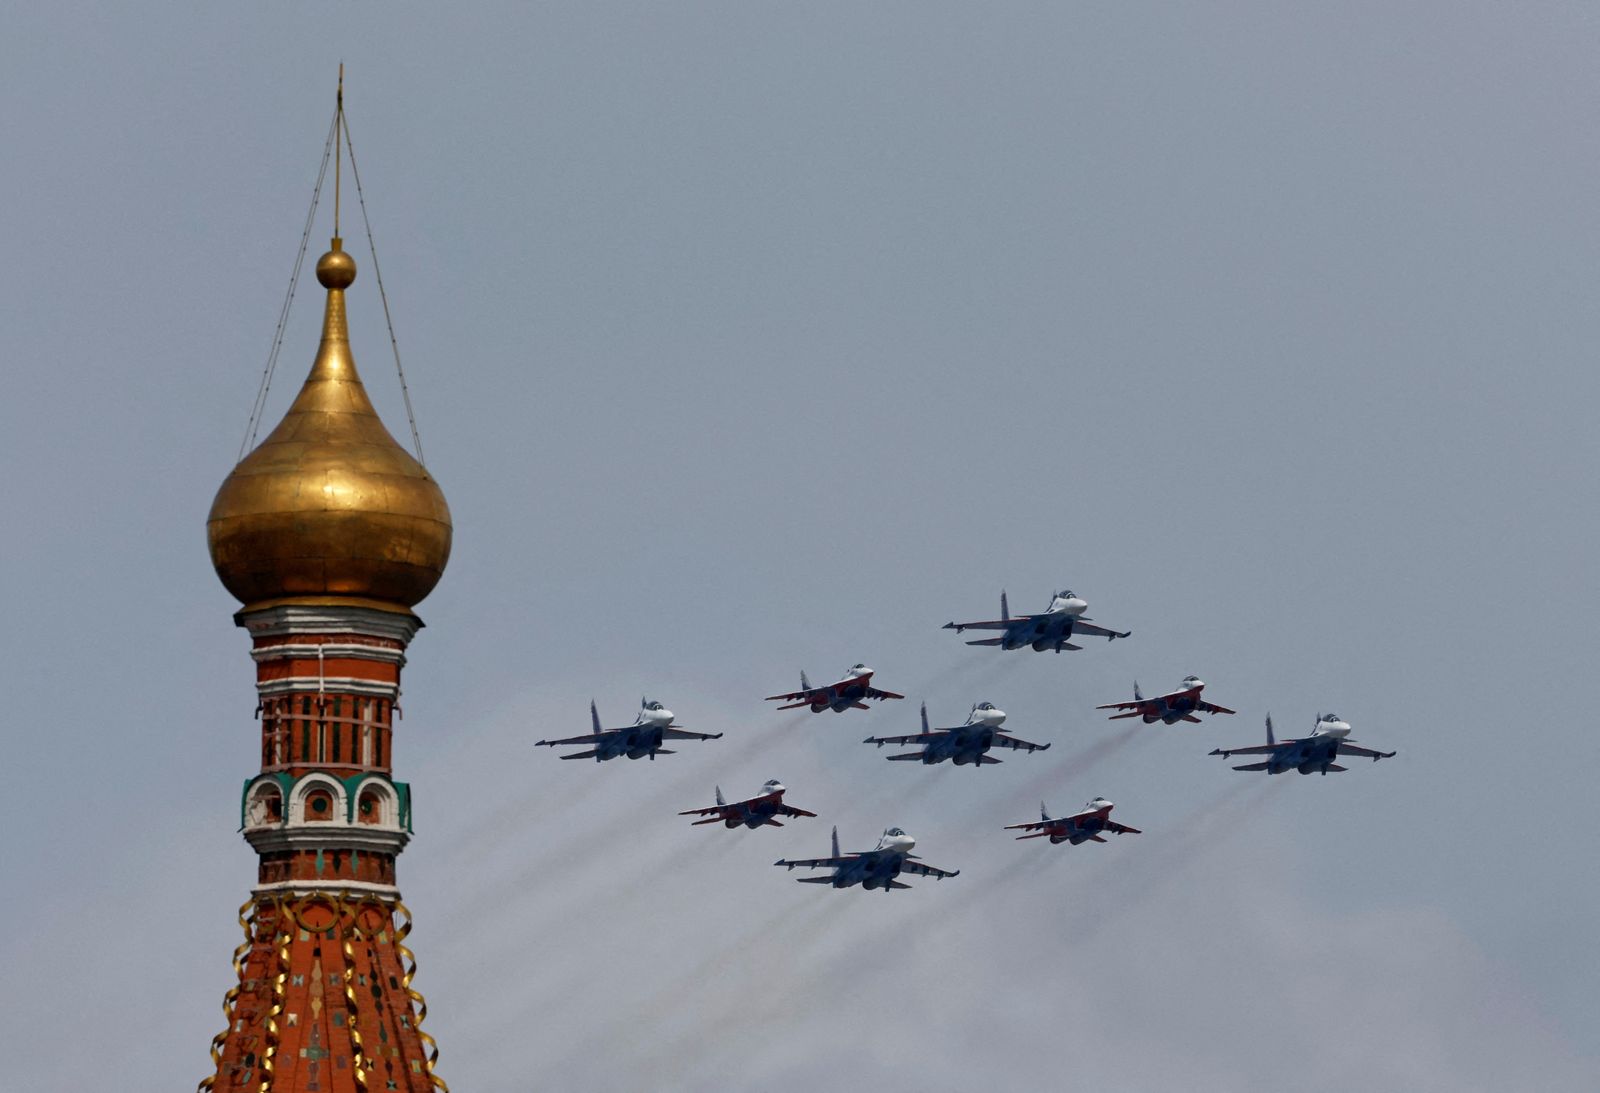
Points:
(1076, 605)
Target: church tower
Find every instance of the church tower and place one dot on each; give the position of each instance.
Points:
(328, 533)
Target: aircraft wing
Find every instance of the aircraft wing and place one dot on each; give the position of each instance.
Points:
(1091, 630)
(873, 692)
(714, 810)
(1037, 825)
(1122, 829)
(924, 870)
(817, 863)
(683, 734)
(1001, 740)
(1212, 707)
(1135, 704)
(990, 624)
(1253, 749)
(798, 696)
(914, 738)
(592, 738)
(790, 810)
(1356, 749)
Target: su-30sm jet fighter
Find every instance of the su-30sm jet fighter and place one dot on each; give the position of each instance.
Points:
(756, 812)
(641, 739)
(1077, 828)
(1175, 706)
(961, 744)
(1314, 754)
(875, 868)
(1062, 620)
(839, 697)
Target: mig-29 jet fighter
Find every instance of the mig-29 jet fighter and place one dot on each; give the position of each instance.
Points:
(1079, 827)
(638, 740)
(1062, 620)
(756, 812)
(1175, 706)
(875, 868)
(961, 744)
(839, 697)
(1314, 754)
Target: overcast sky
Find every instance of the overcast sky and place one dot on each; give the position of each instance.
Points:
(746, 338)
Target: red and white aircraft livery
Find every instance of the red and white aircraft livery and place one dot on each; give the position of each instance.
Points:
(758, 811)
(1077, 828)
(839, 697)
(1175, 706)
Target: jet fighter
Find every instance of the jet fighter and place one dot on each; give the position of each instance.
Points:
(1077, 828)
(1312, 754)
(961, 744)
(839, 697)
(756, 812)
(875, 868)
(638, 740)
(1051, 629)
(1175, 706)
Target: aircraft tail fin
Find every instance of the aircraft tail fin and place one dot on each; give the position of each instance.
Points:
(720, 799)
(594, 717)
(708, 820)
(1044, 813)
(1252, 766)
(835, 840)
(1138, 696)
(805, 684)
(1005, 608)
(925, 717)
(582, 755)
(1270, 738)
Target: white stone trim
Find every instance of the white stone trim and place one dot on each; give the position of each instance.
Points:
(275, 839)
(327, 685)
(296, 618)
(320, 887)
(384, 653)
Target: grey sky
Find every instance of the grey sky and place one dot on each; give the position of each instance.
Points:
(749, 337)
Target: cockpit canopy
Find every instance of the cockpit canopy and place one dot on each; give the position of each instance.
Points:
(858, 667)
(894, 832)
(983, 705)
(652, 704)
(1067, 595)
(1330, 717)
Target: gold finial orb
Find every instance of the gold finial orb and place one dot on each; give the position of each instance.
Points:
(329, 505)
(336, 269)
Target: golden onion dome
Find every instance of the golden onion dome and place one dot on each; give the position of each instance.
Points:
(329, 505)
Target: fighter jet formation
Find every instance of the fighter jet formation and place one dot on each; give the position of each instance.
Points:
(961, 744)
(1314, 754)
(838, 697)
(1050, 629)
(640, 740)
(875, 868)
(966, 744)
(1077, 828)
(758, 811)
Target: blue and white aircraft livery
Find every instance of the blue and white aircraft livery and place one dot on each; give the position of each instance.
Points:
(961, 744)
(1052, 629)
(875, 868)
(838, 697)
(758, 811)
(1079, 827)
(1314, 754)
(639, 740)
(1170, 708)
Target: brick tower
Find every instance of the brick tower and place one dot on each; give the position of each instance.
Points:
(328, 533)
